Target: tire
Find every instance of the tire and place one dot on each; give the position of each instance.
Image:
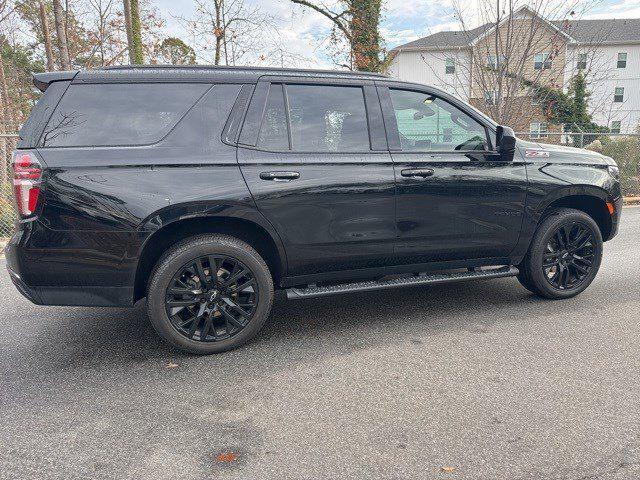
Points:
(212, 303)
(570, 244)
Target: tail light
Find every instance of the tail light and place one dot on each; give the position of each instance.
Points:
(27, 174)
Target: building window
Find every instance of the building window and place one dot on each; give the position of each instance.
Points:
(491, 97)
(450, 66)
(494, 61)
(618, 95)
(538, 130)
(582, 61)
(616, 126)
(542, 61)
(622, 60)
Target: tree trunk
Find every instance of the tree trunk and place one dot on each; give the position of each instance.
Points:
(127, 21)
(218, 32)
(47, 37)
(61, 30)
(365, 36)
(136, 34)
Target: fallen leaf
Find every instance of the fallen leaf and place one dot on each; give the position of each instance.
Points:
(227, 457)
(448, 469)
(172, 365)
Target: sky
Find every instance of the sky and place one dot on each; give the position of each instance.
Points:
(305, 33)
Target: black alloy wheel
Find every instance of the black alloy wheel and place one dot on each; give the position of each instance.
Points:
(212, 298)
(569, 256)
(564, 255)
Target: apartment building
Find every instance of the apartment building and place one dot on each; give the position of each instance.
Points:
(497, 67)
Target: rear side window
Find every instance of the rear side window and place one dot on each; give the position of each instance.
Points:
(119, 114)
(40, 114)
(327, 118)
(273, 130)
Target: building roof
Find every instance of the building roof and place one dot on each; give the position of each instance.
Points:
(605, 31)
(614, 30)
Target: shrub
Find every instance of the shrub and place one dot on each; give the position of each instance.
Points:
(626, 152)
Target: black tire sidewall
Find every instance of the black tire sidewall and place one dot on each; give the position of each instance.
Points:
(181, 255)
(543, 235)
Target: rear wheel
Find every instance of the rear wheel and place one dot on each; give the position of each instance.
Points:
(209, 294)
(564, 256)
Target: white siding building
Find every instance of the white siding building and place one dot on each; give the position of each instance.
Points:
(607, 51)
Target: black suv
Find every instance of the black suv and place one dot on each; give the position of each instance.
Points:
(205, 189)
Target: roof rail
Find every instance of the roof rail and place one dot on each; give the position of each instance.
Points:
(249, 68)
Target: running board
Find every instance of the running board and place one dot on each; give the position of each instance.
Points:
(422, 279)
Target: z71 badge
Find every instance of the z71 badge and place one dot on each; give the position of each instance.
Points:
(532, 153)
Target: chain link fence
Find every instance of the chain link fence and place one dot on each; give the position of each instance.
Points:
(8, 142)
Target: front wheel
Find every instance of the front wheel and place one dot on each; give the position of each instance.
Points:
(209, 294)
(564, 256)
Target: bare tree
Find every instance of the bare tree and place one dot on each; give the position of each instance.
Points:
(61, 31)
(358, 22)
(240, 32)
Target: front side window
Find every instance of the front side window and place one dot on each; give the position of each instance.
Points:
(428, 123)
(327, 118)
(450, 66)
(618, 95)
(538, 130)
(622, 60)
(582, 61)
(119, 114)
(542, 61)
(616, 126)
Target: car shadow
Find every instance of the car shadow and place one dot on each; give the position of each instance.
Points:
(337, 325)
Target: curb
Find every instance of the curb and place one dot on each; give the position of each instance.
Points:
(631, 201)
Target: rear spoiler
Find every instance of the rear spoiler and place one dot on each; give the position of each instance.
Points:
(43, 80)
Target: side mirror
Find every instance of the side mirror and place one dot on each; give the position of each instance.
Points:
(506, 143)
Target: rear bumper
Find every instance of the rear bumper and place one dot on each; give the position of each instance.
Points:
(61, 295)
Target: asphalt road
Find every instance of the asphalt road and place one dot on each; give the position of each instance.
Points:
(482, 378)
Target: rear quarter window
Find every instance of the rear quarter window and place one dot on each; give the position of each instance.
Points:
(96, 115)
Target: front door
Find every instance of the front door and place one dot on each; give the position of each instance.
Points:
(317, 165)
(455, 199)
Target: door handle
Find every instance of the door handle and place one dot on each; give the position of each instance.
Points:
(279, 176)
(417, 172)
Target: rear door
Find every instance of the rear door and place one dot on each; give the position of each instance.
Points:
(315, 158)
(455, 199)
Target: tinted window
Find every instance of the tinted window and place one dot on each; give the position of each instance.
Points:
(428, 123)
(273, 130)
(35, 124)
(327, 119)
(118, 114)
